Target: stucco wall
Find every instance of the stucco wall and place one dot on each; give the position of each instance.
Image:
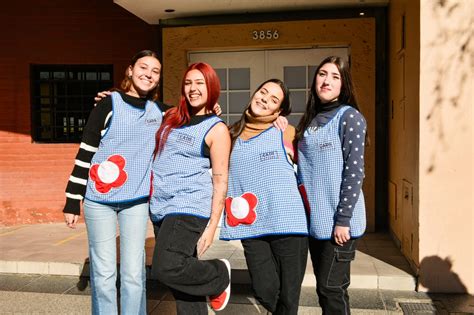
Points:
(404, 73)
(359, 34)
(446, 146)
(431, 141)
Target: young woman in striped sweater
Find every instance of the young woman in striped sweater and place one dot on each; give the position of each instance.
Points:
(112, 174)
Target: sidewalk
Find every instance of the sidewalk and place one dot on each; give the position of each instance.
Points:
(44, 269)
(43, 294)
(54, 249)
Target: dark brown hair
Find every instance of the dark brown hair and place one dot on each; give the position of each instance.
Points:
(127, 82)
(346, 97)
(285, 108)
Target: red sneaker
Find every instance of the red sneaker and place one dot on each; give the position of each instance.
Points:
(219, 302)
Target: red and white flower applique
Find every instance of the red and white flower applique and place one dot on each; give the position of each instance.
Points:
(109, 174)
(241, 210)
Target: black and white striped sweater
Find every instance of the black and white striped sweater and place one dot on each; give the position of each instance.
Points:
(97, 124)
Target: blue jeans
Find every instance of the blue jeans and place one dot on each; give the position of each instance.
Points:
(101, 221)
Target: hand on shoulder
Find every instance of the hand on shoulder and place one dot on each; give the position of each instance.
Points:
(100, 96)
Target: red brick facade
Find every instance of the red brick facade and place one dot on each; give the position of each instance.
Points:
(33, 176)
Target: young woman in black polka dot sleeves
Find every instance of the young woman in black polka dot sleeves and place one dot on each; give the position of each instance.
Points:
(331, 140)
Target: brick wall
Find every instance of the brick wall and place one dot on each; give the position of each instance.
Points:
(33, 176)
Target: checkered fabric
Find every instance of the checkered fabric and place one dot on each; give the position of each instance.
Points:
(320, 167)
(131, 135)
(182, 183)
(259, 165)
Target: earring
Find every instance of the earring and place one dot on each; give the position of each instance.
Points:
(129, 77)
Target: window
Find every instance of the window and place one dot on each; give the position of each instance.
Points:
(62, 98)
(241, 72)
(298, 79)
(235, 92)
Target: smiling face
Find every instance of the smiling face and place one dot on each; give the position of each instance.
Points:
(267, 100)
(145, 75)
(328, 83)
(195, 90)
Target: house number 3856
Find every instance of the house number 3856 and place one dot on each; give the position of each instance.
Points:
(265, 34)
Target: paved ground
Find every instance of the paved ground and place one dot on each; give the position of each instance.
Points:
(46, 294)
(56, 250)
(44, 270)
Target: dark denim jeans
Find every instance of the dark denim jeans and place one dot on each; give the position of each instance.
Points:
(176, 265)
(277, 265)
(332, 268)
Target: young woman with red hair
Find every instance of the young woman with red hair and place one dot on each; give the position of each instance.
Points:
(187, 200)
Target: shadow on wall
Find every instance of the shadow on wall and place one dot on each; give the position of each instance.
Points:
(436, 276)
(450, 47)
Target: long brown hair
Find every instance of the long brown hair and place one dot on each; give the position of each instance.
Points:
(127, 81)
(179, 116)
(285, 108)
(314, 105)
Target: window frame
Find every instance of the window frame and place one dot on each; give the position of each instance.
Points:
(69, 95)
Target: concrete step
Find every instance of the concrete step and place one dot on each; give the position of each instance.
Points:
(53, 249)
(378, 264)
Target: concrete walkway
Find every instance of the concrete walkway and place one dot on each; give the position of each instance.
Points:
(44, 270)
(53, 249)
(45, 294)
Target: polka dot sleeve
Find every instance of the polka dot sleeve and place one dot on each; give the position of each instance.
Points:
(352, 133)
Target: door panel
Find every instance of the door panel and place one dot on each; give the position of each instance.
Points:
(241, 72)
(296, 67)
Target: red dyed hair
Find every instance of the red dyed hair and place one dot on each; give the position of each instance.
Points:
(179, 116)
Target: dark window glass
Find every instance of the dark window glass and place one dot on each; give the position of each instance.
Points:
(222, 74)
(295, 77)
(62, 98)
(239, 79)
